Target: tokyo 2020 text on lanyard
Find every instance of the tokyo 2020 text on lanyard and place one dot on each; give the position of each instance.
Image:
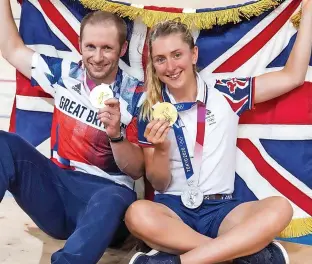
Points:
(192, 197)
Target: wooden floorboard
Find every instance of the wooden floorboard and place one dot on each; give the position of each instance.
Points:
(21, 241)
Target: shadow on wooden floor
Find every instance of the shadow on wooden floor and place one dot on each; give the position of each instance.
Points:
(21, 241)
(299, 254)
(111, 256)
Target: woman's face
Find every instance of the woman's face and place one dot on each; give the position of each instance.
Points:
(173, 61)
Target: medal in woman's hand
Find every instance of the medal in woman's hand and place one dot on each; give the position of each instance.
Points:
(165, 111)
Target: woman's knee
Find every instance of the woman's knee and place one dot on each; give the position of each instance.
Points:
(281, 210)
(139, 216)
(285, 208)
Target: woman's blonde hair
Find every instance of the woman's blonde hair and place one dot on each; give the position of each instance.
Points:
(152, 83)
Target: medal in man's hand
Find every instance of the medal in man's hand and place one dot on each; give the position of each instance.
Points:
(100, 94)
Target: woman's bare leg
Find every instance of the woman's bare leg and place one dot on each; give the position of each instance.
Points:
(246, 230)
(161, 228)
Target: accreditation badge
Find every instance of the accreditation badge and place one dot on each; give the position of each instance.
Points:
(100, 94)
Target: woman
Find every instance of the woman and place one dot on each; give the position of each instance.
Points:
(191, 164)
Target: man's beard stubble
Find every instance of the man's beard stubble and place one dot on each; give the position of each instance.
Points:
(100, 76)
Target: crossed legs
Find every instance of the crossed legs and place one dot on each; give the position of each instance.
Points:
(248, 228)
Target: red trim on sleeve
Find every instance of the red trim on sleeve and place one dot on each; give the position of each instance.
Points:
(146, 145)
(132, 134)
(132, 131)
(12, 127)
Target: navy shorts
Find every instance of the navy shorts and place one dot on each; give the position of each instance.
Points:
(205, 219)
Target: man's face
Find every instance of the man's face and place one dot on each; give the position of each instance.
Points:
(100, 49)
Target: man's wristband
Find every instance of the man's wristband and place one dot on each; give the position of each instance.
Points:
(117, 139)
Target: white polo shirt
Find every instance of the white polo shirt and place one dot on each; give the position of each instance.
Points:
(227, 100)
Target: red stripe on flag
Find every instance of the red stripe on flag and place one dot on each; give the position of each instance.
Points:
(274, 178)
(284, 109)
(23, 87)
(250, 49)
(59, 21)
(12, 127)
(164, 9)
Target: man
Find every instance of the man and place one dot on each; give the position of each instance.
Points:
(83, 193)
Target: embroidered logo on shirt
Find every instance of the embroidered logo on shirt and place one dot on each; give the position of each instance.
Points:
(210, 118)
(77, 88)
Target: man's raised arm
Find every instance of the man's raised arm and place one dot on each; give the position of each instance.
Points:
(12, 46)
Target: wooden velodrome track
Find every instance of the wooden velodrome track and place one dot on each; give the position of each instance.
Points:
(21, 241)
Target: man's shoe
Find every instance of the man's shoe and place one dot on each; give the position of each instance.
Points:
(154, 257)
(274, 253)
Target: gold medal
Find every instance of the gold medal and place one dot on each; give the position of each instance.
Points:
(165, 111)
(100, 94)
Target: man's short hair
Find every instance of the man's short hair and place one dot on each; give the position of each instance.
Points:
(105, 17)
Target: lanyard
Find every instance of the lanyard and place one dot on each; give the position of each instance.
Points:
(116, 86)
(191, 176)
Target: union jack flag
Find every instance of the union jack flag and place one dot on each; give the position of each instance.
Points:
(274, 149)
